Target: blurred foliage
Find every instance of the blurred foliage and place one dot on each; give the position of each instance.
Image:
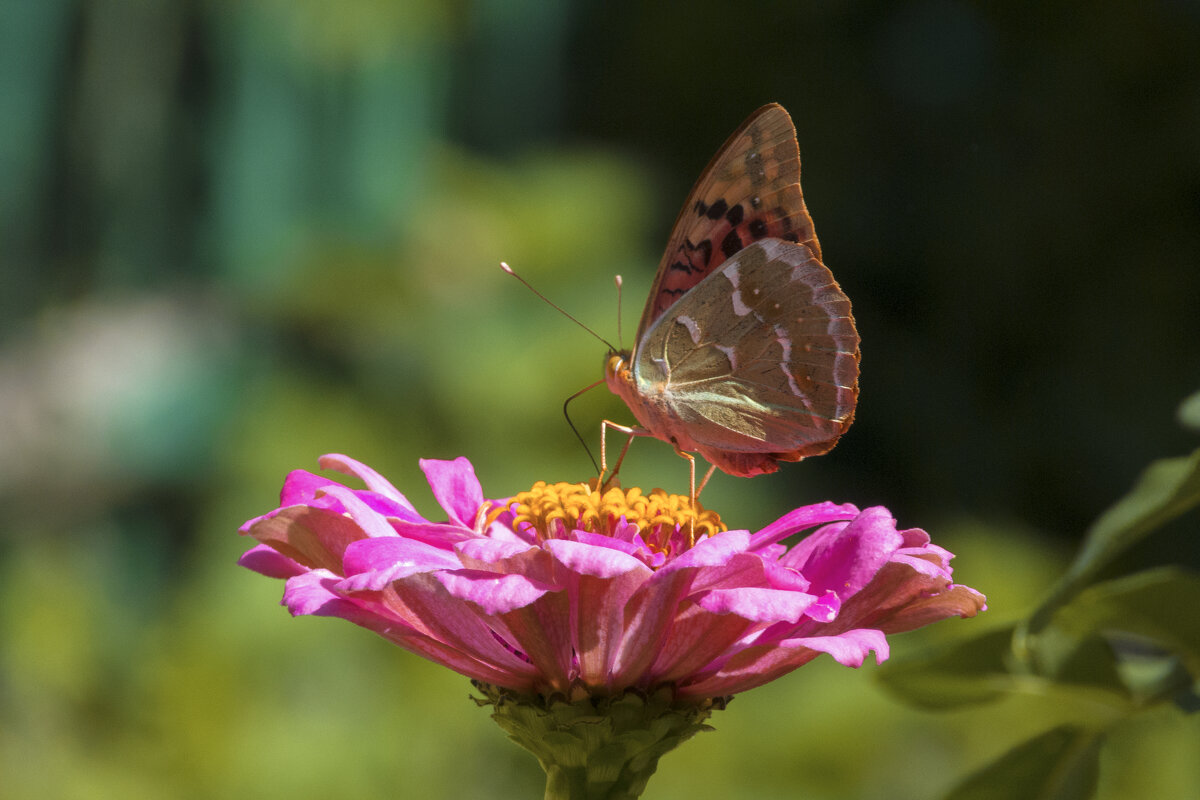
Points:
(237, 235)
(1111, 645)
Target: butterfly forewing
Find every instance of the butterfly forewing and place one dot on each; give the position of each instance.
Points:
(749, 191)
(762, 357)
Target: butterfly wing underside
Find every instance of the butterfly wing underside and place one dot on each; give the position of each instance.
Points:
(748, 192)
(757, 364)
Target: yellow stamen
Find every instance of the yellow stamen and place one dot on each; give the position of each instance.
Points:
(548, 508)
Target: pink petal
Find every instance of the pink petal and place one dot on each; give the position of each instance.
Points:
(542, 631)
(493, 592)
(371, 522)
(801, 519)
(616, 541)
(373, 480)
(301, 486)
(847, 560)
(314, 537)
(954, 601)
(825, 609)
(441, 534)
(849, 649)
(304, 488)
(757, 604)
(710, 552)
(455, 487)
(649, 612)
(424, 604)
(450, 633)
(755, 666)
(312, 593)
(600, 562)
(383, 560)
(597, 607)
(695, 639)
(491, 551)
(266, 561)
(512, 673)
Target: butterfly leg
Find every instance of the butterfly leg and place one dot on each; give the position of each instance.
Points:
(692, 493)
(711, 469)
(604, 426)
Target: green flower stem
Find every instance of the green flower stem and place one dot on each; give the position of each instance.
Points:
(598, 748)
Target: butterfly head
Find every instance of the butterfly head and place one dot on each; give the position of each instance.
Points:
(617, 368)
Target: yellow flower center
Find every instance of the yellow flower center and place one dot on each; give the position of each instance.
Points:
(549, 507)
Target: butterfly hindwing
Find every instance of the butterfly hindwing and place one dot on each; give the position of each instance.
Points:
(761, 356)
(749, 191)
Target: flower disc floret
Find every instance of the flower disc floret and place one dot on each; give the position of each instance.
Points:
(553, 509)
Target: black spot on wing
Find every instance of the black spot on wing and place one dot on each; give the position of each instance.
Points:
(731, 244)
(735, 214)
(718, 209)
(758, 228)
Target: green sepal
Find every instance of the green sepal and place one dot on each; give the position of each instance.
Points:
(598, 747)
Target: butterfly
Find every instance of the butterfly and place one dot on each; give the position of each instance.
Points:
(746, 352)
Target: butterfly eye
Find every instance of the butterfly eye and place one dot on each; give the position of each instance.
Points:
(615, 364)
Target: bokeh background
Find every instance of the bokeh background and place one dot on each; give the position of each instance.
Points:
(235, 235)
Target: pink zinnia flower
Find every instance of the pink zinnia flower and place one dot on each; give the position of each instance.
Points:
(565, 590)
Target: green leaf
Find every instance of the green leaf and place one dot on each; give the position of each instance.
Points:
(1061, 764)
(1149, 611)
(1165, 490)
(967, 672)
(1189, 412)
(1084, 660)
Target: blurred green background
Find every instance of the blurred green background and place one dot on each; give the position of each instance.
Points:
(237, 235)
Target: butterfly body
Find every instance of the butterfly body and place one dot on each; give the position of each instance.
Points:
(746, 352)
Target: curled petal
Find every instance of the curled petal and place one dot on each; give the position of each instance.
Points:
(845, 557)
(757, 604)
(267, 561)
(801, 519)
(372, 523)
(455, 487)
(375, 482)
(849, 649)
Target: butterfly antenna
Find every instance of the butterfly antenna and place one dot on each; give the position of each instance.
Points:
(575, 430)
(562, 311)
(620, 336)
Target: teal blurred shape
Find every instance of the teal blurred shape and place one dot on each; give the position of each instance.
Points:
(33, 46)
(306, 148)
